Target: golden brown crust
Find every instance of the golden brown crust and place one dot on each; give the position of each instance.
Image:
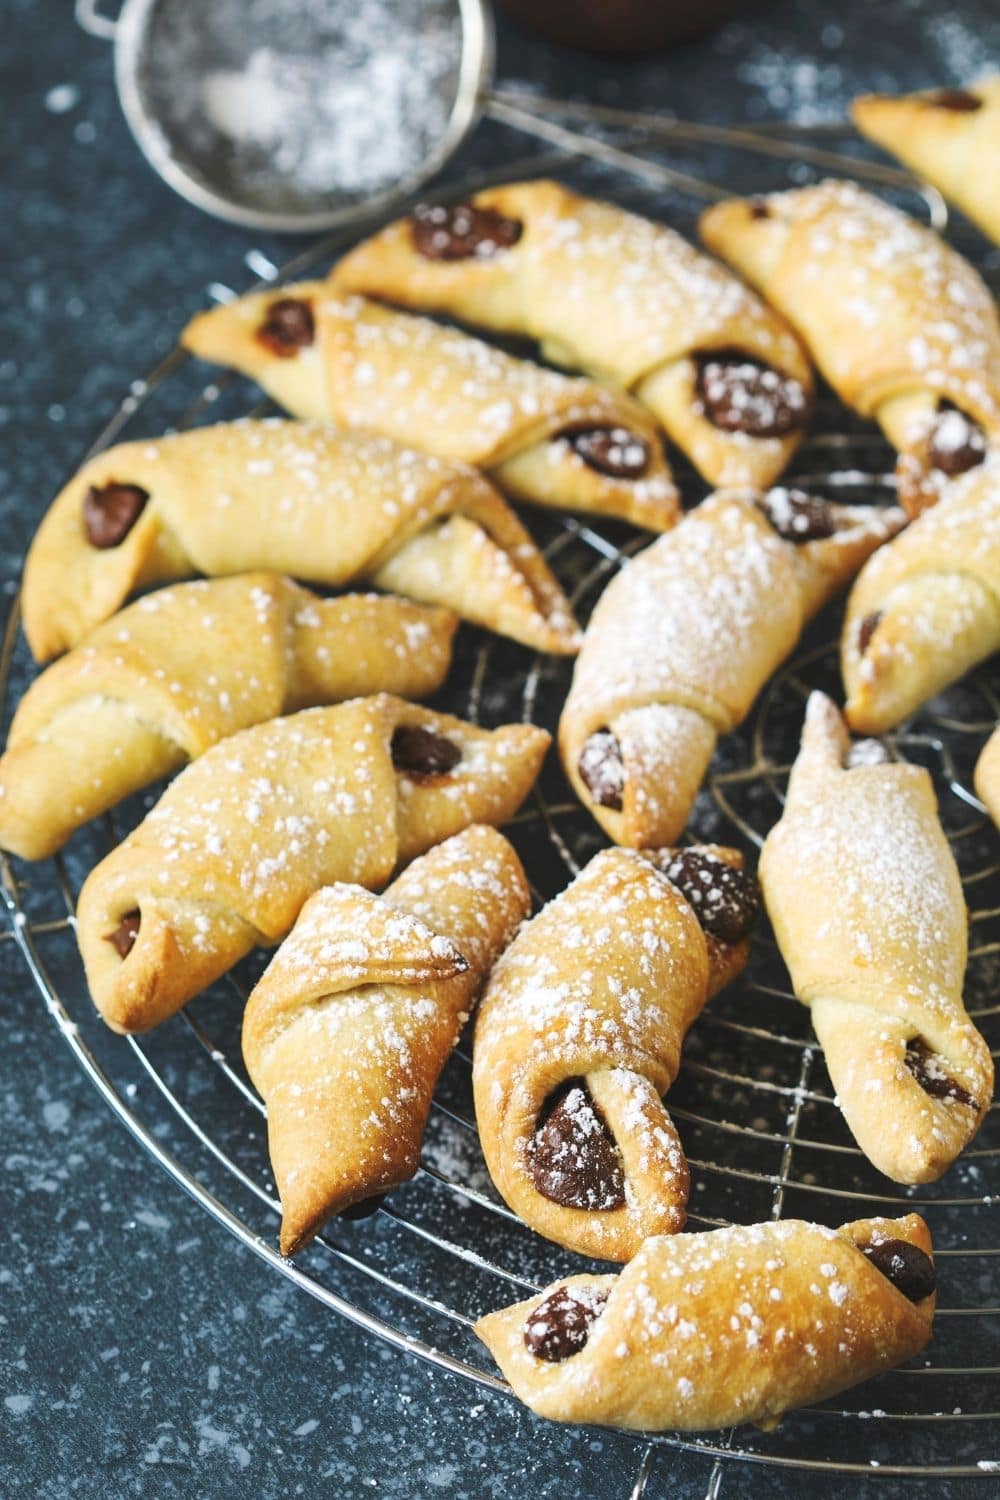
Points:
(926, 609)
(237, 843)
(714, 1330)
(682, 641)
(348, 1030)
(895, 318)
(183, 668)
(868, 911)
(956, 149)
(296, 497)
(988, 776)
(605, 291)
(440, 390)
(601, 986)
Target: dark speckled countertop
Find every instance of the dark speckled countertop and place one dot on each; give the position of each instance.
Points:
(143, 1351)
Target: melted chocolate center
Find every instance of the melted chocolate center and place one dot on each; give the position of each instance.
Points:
(602, 770)
(560, 1325)
(124, 936)
(798, 517)
(906, 1266)
(866, 629)
(926, 1066)
(725, 900)
(421, 753)
(110, 511)
(288, 327)
(742, 395)
(613, 451)
(959, 100)
(957, 443)
(461, 231)
(574, 1160)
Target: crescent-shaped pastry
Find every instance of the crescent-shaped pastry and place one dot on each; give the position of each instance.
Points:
(900, 324)
(714, 1330)
(181, 669)
(541, 436)
(926, 609)
(627, 300)
(949, 137)
(579, 1036)
(867, 909)
(347, 1032)
(328, 507)
(683, 639)
(988, 776)
(229, 854)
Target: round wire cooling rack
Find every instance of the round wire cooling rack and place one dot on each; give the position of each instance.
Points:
(753, 1101)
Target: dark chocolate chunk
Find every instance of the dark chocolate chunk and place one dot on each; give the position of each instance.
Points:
(602, 770)
(124, 936)
(461, 231)
(759, 208)
(866, 753)
(725, 900)
(867, 629)
(288, 327)
(574, 1159)
(926, 1066)
(110, 511)
(610, 450)
(364, 1208)
(962, 101)
(798, 517)
(906, 1266)
(742, 395)
(421, 753)
(560, 1325)
(957, 443)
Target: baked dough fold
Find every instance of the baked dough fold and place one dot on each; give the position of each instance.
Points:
(683, 639)
(348, 1030)
(714, 1330)
(926, 609)
(900, 324)
(441, 390)
(595, 996)
(605, 291)
(949, 137)
(181, 669)
(244, 835)
(988, 776)
(867, 908)
(325, 507)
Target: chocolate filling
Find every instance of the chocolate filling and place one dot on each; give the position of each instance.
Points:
(866, 753)
(867, 629)
(960, 100)
(906, 1266)
(957, 443)
(124, 936)
(613, 451)
(288, 327)
(925, 1065)
(741, 395)
(574, 1159)
(602, 770)
(725, 900)
(461, 231)
(422, 754)
(560, 1325)
(759, 208)
(798, 517)
(110, 511)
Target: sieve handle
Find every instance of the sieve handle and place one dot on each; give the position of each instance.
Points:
(93, 22)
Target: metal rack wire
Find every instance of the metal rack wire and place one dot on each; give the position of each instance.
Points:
(753, 1102)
